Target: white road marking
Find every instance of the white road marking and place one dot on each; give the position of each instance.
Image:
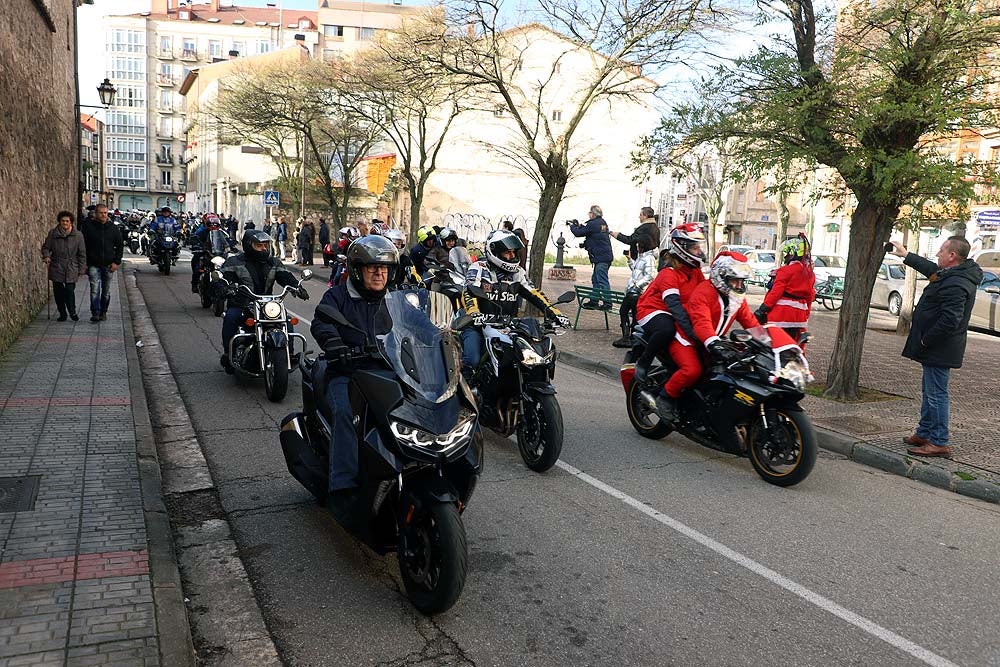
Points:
(872, 628)
(304, 321)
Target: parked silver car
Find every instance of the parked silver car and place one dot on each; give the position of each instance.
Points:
(986, 310)
(889, 285)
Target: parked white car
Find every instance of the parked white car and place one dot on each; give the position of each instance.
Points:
(986, 310)
(889, 286)
(762, 263)
(827, 266)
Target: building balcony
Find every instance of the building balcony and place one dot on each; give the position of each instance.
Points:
(165, 108)
(164, 134)
(164, 80)
(165, 54)
(164, 159)
(189, 54)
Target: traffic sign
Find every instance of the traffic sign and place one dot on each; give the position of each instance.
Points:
(271, 198)
(181, 198)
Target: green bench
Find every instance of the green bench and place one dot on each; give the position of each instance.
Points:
(584, 292)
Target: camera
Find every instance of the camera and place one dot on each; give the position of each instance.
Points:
(572, 222)
(888, 247)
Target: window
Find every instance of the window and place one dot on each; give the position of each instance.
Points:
(165, 151)
(214, 48)
(130, 96)
(124, 148)
(498, 112)
(126, 122)
(166, 44)
(365, 34)
(189, 48)
(126, 41)
(333, 31)
(124, 68)
(165, 74)
(263, 46)
(166, 100)
(304, 24)
(557, 115)
(165, 178)
(127, 176)
(240, 47)
(166, 128)
(330, 55)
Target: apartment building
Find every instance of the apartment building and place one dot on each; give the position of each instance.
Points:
(92, 161)
(149, 54)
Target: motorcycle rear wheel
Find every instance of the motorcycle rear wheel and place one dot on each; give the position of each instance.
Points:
(540, 432)
(645, 421)
(789, 459)
(275, 375)
(165, 267)
(434, 558)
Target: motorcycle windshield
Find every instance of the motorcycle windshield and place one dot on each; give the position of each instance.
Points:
(217, 241)
(420, 347)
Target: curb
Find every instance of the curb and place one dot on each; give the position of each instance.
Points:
(226, 618)
(176, 644)
(858, 451)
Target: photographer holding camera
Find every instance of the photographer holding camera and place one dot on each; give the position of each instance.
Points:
(597, 243)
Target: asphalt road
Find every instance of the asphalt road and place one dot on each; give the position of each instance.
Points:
(657, 553)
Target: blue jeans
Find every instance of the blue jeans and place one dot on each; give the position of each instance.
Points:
(599, 280)
(472, 347)
(934, 406)
(343, 440)
(100, 289)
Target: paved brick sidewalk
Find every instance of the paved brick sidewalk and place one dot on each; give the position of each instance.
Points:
(975, 404)
(75, 583)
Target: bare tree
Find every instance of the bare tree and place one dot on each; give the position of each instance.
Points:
(607, 45)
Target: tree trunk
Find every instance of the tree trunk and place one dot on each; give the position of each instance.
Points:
(871, 226)
(905, 320)
(548, 203)
(416, 200)
(783, 218)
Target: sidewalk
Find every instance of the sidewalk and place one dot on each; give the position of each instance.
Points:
(871, 433)
(82, 581)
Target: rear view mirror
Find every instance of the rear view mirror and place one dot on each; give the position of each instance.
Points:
(307, 275)
(993, 290)
(566, 297)
(740, 336)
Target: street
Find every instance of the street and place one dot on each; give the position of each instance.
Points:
(658, 553)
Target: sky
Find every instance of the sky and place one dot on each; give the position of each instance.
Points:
(91, 36)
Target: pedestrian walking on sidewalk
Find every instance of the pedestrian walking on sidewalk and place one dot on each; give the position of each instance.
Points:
(597, 243)
(307, 238)
(938, 335)
(65, 253)
(282, 238)
(104, 255)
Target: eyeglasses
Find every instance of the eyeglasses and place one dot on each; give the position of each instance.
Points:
(376, 268)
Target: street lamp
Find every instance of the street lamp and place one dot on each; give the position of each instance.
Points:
(107, 92)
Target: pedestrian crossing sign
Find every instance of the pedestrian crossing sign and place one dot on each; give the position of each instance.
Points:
(271, 198)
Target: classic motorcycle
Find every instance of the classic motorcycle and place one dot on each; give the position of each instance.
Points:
(164, 251)
(513, 382)
(748, 408)
(263, 344)
(420, 449)
(218, 246)
(133, 235)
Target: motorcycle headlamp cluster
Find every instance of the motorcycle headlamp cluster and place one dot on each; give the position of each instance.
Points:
(271, 310)
(796, 374)
(530, 356)
(168, 239)
(435, 444)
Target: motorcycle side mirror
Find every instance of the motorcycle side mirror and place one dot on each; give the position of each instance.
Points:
(307, 275)
(740, 336)
(217, 262)
(566, 297)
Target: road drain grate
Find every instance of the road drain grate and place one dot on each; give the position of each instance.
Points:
(17, 494)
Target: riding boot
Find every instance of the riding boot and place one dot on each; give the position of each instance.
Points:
(642, 365)
(625, 340)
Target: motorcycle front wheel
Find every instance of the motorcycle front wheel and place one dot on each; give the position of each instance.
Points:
(275, 374)
(643, 417)
(540, 432)
(206, 297)
(433, 558)
(165, 267)
(783, 455)
(220, 307)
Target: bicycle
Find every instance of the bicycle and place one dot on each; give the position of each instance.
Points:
(830, 293)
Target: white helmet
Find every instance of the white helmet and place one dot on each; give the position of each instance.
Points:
(396, 236)
(727, 267)
(499, 241)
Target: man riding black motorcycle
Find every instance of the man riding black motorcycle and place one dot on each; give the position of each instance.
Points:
(505, 281)
(201, 247)
(258, 270)
(372, 262)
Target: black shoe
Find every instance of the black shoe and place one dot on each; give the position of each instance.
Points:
(224, 361)
(624, 342)
(346, 507)
(194, 288)
(61, 318)
(74, 317)
(666, 407)
(104, 316)
(589, 304)
(95, 318)
(604, 305)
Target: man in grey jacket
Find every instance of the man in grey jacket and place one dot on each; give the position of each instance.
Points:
(938, 335)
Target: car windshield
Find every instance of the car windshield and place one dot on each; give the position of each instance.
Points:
(766, 257)
(418, 349)
(829, 261)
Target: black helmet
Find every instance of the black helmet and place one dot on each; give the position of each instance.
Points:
(256, 236)
(371, 250)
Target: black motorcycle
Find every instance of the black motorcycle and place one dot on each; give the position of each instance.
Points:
(445, 280)
(133, 235)
(748, 408)
(513, 382)
(420, 449)
(263, 344)
(217, 248)
(164, 251)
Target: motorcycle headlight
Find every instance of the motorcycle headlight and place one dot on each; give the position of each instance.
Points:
(435, 444)
(168, 239)
(529, 356)
(271, 310)
(795, 373)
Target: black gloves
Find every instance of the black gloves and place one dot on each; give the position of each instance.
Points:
(723, 352)
(302, 293)
(339, 358)
(761, 314)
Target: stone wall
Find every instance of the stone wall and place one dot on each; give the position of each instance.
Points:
(38, 148)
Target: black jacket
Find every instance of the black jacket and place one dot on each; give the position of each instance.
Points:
(418, 254)
(648, 234)
(941, 317)
(104, 243)
(371, 317)
(597, 240)
(258, 276)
